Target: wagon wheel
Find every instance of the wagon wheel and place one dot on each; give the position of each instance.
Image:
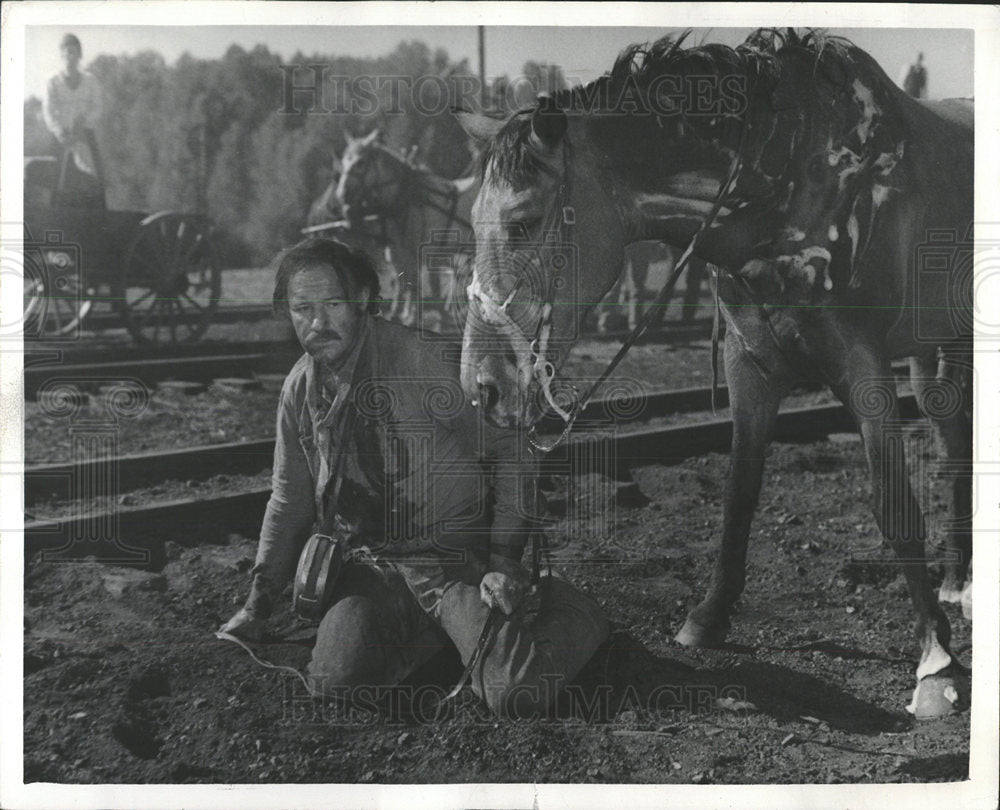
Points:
(167, 288)
(55, 299)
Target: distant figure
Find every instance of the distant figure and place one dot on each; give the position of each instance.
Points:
(71, 109)
(915, 78)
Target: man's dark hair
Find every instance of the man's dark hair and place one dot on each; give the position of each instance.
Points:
(353, 267)
(71, 40)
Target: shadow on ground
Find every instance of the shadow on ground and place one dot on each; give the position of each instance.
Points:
(625, 676)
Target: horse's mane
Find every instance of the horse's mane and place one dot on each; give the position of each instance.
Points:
(759, 60)
(756, 57)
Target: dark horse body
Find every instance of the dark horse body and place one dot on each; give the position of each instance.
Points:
(828, 185)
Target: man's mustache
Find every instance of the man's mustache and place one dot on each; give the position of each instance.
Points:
(329, 334)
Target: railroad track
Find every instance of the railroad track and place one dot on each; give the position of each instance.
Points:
(99, 351)
(88, 370)
(605, 446)
(100, 321)
(46, 372)
(250, 457)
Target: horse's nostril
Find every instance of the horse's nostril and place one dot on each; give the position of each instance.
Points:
(489, 396)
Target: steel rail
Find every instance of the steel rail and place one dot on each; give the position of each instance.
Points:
(606, 449)
(44, 363)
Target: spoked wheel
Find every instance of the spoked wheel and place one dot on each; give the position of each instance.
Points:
(168, 286)
(55, 298)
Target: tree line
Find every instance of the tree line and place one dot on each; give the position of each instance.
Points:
(227, 138)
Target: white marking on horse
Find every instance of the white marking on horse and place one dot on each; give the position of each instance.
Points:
(667, 207)
(852, 233)
(693, 185)
(880, 194)
(495, 315)
(869, 110)
(800, 265)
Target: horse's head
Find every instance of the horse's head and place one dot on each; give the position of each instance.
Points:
(371, 177)
(549, 245)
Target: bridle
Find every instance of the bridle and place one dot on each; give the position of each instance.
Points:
(531, 355)
(408, 180)
(373, 181)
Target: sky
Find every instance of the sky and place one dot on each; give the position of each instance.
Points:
(583, 52)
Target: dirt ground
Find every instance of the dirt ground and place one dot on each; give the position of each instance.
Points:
(124, 681)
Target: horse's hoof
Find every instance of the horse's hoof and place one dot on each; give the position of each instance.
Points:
(693, 634)
(950, 594)
(939, 695)
(967, 600)
(433, 322)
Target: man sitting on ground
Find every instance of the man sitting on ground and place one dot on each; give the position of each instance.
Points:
(373, 427)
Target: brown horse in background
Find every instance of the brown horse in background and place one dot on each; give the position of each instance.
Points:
(426, 220)
(326, 218)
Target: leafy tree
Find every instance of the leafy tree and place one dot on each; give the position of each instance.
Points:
(214, 136)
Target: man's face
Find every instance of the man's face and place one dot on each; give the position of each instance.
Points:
(70, 56)
(325, 320)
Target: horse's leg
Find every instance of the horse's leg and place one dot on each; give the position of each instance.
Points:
(671, 259)
(391, 283)
(940, 396)
(867, 378)
(628, 294)
(409, 282)
(603, 310)
(754, 399)
(406, 315)
(696, 272)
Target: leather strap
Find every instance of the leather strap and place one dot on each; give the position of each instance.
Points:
(331, 493)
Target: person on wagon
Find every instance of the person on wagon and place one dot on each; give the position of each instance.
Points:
(72, 109)
(435, 503)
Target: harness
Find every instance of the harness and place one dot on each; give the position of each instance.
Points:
(532, 356)
(444, 202)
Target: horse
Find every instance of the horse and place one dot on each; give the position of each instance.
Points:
(427, 221)
(326, 207)
(633, 289)
(815, 186)
(326, 217)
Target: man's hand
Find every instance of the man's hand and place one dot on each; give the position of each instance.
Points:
(504, 585)
(245, 625)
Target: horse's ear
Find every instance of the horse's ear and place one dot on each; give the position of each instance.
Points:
(481, 128)
(548, 123)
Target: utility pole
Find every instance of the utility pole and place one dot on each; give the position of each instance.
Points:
(482, 66)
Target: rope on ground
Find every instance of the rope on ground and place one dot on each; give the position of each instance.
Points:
(262, 662)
